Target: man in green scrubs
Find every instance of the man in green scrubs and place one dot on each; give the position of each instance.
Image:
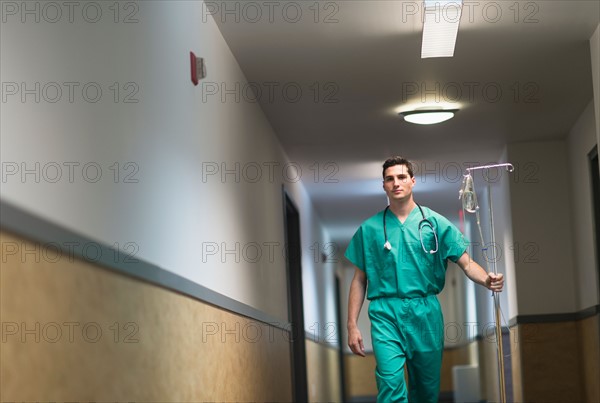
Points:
(404, 277)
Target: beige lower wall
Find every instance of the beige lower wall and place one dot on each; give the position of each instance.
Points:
(463, 355)
(516, 363)
(557, 362)
(72, 331)
(323, 373)
(360, 375)
(589, 338)
(454, 356)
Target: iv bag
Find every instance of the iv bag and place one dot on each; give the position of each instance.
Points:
(468, 195)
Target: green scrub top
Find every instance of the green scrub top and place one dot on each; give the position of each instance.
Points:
(406, 271)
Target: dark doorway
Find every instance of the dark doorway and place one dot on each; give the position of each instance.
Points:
(595, 176)
(295, 304)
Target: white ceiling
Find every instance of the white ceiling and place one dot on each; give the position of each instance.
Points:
(367, 60)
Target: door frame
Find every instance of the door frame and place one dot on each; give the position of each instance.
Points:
(293, 248)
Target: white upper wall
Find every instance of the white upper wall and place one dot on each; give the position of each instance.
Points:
(595, 56)
(162, 145)
(541, 223)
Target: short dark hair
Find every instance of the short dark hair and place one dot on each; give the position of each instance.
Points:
(390, 162)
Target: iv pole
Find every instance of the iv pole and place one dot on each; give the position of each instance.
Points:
(497, 314)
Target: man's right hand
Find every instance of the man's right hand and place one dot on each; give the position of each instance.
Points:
(355, 342)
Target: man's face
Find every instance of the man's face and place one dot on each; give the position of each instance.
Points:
(398, 183)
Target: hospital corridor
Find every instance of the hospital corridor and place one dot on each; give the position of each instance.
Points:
(300, 201)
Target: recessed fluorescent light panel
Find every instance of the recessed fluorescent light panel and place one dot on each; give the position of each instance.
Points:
(440, 27)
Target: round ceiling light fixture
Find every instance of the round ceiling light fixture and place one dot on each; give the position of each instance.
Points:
(428, 116)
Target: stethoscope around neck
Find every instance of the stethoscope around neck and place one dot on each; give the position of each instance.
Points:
(423, 223)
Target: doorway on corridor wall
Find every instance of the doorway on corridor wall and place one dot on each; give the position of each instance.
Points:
(295, 302)
(595, 176)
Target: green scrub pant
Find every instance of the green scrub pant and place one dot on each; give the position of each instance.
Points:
(411, 331)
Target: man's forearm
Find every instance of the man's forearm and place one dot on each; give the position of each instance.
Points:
(476, 273)
(355, 301)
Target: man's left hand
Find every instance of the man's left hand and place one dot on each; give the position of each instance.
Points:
(494, 282)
